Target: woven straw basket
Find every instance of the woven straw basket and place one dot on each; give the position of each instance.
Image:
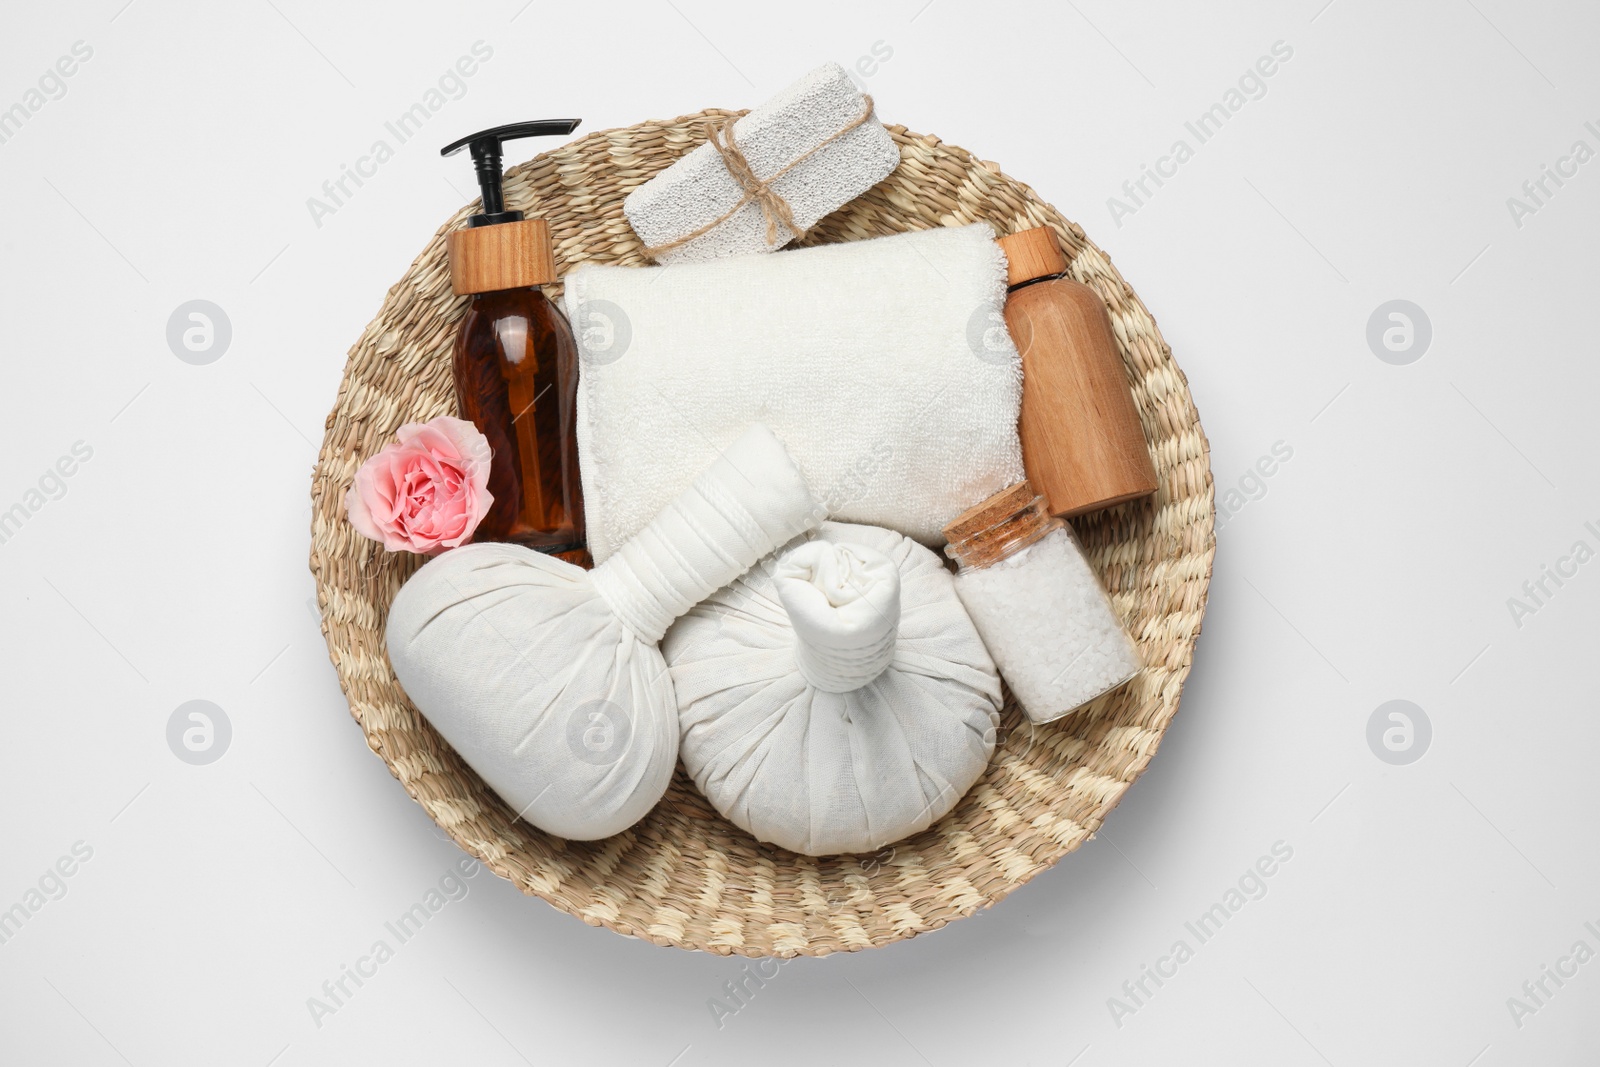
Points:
(684, 876)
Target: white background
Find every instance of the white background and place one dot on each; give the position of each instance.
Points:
(1377, 565)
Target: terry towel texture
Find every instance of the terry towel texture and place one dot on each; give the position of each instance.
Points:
(884, 366)
(698, 189)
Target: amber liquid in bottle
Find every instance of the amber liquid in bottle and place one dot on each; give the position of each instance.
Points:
(516, 376)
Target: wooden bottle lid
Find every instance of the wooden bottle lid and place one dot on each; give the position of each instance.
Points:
(1007, 522)
(989, 512)
(509, 255)
(1032, 254)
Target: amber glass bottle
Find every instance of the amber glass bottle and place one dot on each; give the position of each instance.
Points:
(516, 379)
(516, 369)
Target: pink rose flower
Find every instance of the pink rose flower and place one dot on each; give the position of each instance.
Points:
(427, 491)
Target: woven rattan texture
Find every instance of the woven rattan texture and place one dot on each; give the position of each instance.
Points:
(684, 876)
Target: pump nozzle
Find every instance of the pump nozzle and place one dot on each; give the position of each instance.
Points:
(486, 159)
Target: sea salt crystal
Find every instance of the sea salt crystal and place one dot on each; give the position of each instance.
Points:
(1049, 626)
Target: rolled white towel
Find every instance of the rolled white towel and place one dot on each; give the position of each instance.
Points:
(698, 189)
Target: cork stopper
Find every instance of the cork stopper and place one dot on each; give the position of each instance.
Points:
(1006, 522)
(509, 255)
(1032, 254)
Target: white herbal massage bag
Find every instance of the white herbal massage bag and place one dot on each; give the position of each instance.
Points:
(546, 678)
(837, 697)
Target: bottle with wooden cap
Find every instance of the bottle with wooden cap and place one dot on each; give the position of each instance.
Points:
(516, 370)
(1082, 445)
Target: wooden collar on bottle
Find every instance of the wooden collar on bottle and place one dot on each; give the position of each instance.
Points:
(511, 255)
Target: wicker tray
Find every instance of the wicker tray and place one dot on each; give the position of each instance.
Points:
(684, 876)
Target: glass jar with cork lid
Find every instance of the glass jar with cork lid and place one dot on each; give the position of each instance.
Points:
(1037, 604)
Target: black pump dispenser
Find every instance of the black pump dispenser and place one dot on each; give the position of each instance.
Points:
(486, 158)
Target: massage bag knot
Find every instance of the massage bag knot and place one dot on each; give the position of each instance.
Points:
(836, 698)
(883, 365)
(547, 679)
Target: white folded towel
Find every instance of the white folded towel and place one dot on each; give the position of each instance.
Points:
(698, 189)
(884, 366)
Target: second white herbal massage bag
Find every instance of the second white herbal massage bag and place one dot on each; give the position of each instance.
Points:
(837, 697)
(546, 677)
(883, 365)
